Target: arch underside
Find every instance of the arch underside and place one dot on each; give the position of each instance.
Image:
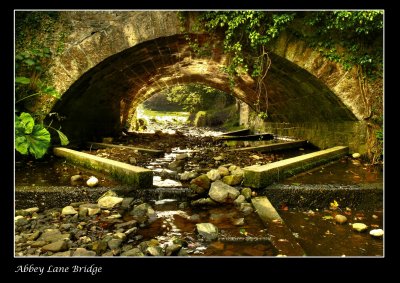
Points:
(108, 93)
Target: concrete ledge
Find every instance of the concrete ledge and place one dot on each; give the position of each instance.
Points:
(156, 152)
(260, 176)
(236, 133)
(273, 147)
(281, 236)
(137, 177)
(256, 137)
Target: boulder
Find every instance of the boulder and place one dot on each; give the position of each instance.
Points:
(207, 230)
(223, 193)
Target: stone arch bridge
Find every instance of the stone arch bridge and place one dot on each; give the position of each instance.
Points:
(114, 60)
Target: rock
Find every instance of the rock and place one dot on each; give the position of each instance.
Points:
(223, 171)
(246, 192)
(360, 227)
(173, 249)
(109, 202)
(131, 231)
(20, 213)
(340, 218)
(34, 235)
(356, 155)
(76, 179)
(183, 205)
(68, 210)
(232, 168)
(202, 181)
(154, 251)
(376, 233)
(222, 192)
(32, 210)
(119, 235)
(83, 252)
(66, 226)
(53, 235)
(238, 171)
(143, 209)
(219, 158)
(99, 247)
(240, 199)
(238, 222)
(213, 175)
(186, 176)
(204, 202)
(183, 252)
(92, 208)
(133, 252)
(66, 253)
(132, 160)
(232, 180)
(58, 246)
(126, 225)
(127, 203)
(38, 244)
(177, 165)
(109, 193)
(207, 230)
(246, 208)
(182, 156)
(114, 243)
(92, 181)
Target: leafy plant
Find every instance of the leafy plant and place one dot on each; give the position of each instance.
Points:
(32, 138)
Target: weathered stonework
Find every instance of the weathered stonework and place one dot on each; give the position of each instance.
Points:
(114, 60)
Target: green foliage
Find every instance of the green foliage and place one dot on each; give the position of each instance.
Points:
(29, 67)
(30, 137)
(196, 97)
(358, 35)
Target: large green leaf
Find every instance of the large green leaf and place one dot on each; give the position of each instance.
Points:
(63, 138)
(36, 143)
(21, 144)
(22, 80)
(39, 141)
(24, 123)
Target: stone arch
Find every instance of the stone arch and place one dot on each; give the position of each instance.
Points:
(96, 103)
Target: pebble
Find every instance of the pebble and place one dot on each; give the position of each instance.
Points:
(340, 219)
(376, 233)
(360, 227)
(69, 210)
(92, 181)
(356, 155)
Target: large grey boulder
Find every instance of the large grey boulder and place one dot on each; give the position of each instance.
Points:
(223, 193)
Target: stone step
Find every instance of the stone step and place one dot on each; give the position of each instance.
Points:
(135, 176)
(260, 176)
(281, 236)
(96, 145)
(273, 147)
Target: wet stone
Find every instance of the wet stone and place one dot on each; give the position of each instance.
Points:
(341, 219)
(207, 230)
(202, 181)
(114, 243)
(240, 199)
(68, 210)
(83, 252)
(246, 192)
(57, 246)
(232, 180)
(109, 202)
(213, 175)
(359, 227)
(133, 252)
(154, 251)
(222, 192)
